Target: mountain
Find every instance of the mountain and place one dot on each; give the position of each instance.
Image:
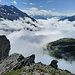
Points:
(13, 19)
(62, 48)
(45, 17)
(39, 17)
(71, 18)
(12, 13)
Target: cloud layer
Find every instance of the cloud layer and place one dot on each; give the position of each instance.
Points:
(34, 11)
(34, 42)
(19, 24)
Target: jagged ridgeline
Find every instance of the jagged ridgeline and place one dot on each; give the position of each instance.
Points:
(71, 18)
(62, 48)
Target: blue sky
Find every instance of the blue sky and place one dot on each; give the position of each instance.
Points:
(62, 6)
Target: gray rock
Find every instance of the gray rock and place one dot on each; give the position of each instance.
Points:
(42, 69)
(15, 61)
(4, 47)
(54, 64)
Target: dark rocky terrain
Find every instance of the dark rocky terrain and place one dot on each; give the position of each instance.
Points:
(16, 64)
(62, 48)
(15, 61)
(4, 47)
(12, 13)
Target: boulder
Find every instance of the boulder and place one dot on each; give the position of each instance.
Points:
(54, 64)
(15, 61)
(4, 47)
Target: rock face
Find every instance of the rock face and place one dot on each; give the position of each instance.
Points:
(62, 48)
(15, 61)
(16, 64)
(4, 47)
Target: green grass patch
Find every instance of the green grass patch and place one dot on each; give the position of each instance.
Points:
(15, 72)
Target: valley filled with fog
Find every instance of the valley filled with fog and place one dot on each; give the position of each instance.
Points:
(34, 42)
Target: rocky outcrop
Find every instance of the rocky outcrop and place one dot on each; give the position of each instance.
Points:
(62, 48)
(15, 61)
(42, 69)
(16, 64)
(4, 47)
(54, 64)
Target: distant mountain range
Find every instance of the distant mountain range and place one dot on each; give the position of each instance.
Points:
(46, 17)
(39, 17)
(11, 19)
(71, 18)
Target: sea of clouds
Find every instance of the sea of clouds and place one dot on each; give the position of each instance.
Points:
(33, 42)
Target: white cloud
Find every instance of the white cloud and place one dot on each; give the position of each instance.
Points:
(24, 3)
(14, 2)
(31, 3)
(41, 6)
(18, 24)
(35, 11)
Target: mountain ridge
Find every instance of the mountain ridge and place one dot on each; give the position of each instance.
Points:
(12, 14)
(71, 18)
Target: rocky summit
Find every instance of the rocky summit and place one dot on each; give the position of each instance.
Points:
(16, 64)
(4, 47)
